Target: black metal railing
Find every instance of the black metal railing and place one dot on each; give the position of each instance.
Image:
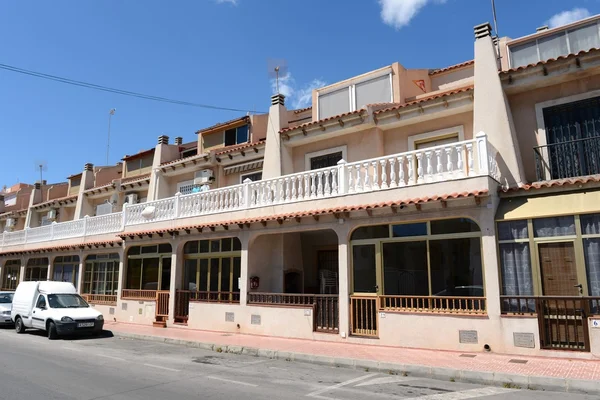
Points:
(568, 159)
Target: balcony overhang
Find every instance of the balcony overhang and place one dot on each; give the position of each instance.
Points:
(102, 191)
(67, 245)
(185, 165)
(419, 200)
(552, 72)
(56, 203)
(140, 182)
(241, 153)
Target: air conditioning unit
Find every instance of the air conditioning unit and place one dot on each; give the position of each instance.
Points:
(203, 176)
(10, 223)
(131, 198)
(51, 216)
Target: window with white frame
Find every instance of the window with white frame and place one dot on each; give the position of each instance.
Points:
(324, 158)
(253, 176)
(436, 138)
(567, 41)
(356, 95)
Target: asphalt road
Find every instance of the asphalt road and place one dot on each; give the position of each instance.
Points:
(32, 367)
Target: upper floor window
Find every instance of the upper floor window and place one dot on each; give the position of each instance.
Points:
(356, 95)
(255, 176)
(568, 41)
(236, 135)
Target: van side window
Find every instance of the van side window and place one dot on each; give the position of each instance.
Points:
(41, 302)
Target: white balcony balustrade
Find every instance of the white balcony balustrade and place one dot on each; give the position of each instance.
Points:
(443, 163)
(87, 226)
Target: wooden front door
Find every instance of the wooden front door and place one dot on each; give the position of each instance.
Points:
(562, 313)
(558, 268)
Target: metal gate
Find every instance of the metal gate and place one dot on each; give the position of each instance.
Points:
(364, 316)
(563, 323)
(162, 306)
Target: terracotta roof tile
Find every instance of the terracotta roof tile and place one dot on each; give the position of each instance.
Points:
(428, 98)
(217, 125)
(556, 183)
(179, 160)
(551, 60)
(231, 149)
(308, 213)
(301, 110)
(108, 185)
(451, 67)
(135, 179)
(66, 198)
(362, 110)
(114, 242)
(141, 153)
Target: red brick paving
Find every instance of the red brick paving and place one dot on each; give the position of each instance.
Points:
(484, 362)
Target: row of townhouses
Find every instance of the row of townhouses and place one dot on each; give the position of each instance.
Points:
(453, 209)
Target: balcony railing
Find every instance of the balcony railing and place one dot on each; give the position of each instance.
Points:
(86, 226)
(568, 159)
(443, 163)
(454, 161)
(135, 294)
(101, 299)
(433, 304)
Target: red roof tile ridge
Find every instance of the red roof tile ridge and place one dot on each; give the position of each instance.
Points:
(300, 110)
(230, 149)
(451, 67)
(455, 195)
(322, 120)
(428, 98)
(183, 159)
(554, 183)
(135, 178)
(550, 60)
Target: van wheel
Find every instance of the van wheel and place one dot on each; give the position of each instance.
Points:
(19, 327)
(52, 331)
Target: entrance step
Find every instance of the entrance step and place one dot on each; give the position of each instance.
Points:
(159, 324)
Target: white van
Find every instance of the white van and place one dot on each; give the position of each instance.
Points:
(54, 307)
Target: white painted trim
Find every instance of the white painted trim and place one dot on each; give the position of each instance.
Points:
(247, 173)
(430, 136)
(308, 156)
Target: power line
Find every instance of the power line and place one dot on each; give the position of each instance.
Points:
(114, 90)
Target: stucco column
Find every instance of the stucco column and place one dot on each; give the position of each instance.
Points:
(83, 206)
(343, 232)
(49, 271)
(80, 273)
(122, 266)
(245, 238)
(490, 258)
(277, 161)
(491, 111)
(176, 273)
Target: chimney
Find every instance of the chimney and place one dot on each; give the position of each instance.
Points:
(179, 140)
(163, 139)
(278, 99)
(88, 167)
(38, 186)
(482, 30)
(542, 28)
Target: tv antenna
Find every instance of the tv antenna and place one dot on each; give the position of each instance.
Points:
(111, 112)
(277, 68)
(41, 166)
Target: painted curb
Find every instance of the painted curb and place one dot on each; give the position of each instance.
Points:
(500, 379)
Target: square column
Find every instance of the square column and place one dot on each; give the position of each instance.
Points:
(176, 275)
(344, 280)
(245, 240)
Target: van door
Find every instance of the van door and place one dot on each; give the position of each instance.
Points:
(39, 312)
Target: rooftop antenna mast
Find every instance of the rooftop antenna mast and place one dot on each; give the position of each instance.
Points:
(41, 166)
(277, 69)
(111, 112)
(496, 28)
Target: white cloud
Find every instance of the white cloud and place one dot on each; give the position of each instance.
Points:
(566, 17)
(399, 13)
(297, 96)
(232, 2)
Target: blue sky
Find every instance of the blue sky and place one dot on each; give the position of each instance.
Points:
(211, 52)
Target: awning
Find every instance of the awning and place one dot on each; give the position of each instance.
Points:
(548, 205)
(243, 167)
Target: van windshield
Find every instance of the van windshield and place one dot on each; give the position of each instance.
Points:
(66, 301)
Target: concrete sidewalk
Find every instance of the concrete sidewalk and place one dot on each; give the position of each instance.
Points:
(556, 374)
